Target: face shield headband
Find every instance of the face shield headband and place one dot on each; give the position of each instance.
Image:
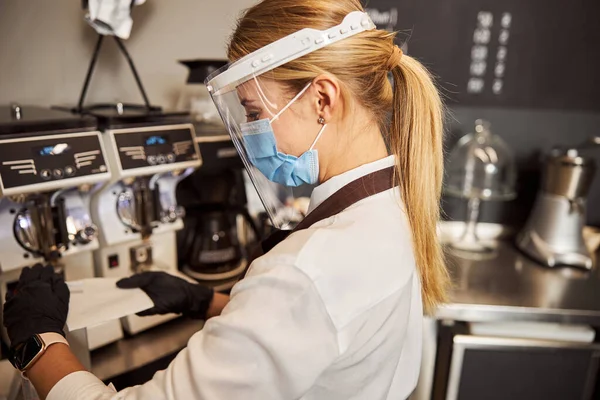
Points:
(284, 50)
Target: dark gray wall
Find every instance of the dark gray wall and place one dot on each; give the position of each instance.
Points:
(551, 81)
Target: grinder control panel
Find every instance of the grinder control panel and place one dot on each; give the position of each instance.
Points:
(157, 148)
(44, 163)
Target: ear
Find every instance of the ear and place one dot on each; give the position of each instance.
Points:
(329, 96)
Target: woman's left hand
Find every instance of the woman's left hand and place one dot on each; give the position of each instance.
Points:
(39, 304)
(170, 294)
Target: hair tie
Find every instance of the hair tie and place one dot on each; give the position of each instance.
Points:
(394, 58)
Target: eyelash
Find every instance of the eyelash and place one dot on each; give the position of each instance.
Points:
(252, 116)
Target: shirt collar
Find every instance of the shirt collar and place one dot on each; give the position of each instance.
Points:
(326, 189)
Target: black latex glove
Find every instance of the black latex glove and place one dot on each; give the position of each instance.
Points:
(170, 294)
(39, 304)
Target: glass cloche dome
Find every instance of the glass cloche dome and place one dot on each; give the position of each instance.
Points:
(480, 167)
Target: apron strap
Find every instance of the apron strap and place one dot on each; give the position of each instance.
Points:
(355, 191)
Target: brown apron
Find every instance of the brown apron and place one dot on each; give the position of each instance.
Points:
(355, 191)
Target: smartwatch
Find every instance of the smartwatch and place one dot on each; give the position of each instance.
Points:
(24, 355)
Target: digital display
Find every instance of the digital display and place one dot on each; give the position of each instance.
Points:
(156, 140)
(24, 353)
(52, 150)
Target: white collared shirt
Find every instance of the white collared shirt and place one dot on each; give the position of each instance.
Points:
(331, 313)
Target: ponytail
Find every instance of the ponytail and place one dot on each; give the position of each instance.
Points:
(416, 140)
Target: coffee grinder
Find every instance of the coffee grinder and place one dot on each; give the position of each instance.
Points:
(51, 162)
(149, 152)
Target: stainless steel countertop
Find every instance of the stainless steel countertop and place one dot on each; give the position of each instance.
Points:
(134, 352)
(510, 286)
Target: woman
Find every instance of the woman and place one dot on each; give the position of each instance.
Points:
(334, 311)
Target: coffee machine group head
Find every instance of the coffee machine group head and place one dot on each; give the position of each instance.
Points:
(553, 234)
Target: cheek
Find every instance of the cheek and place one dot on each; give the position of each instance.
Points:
(289, 136)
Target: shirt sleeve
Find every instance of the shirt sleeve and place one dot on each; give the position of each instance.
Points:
(272, 341)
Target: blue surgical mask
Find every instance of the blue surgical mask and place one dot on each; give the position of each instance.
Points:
(285, 169)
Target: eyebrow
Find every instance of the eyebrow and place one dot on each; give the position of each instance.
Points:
(245, 101)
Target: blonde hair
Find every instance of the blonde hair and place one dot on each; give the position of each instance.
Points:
(361, 63)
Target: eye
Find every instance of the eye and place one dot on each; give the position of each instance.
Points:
(252, 116)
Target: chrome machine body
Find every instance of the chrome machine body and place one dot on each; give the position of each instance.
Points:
(136, 212)
(553, 234)
(50, 164)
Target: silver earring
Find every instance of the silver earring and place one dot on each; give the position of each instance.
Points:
(321, 120)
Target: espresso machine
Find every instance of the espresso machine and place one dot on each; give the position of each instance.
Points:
(51, 162)
(553, 234)
(149, 152)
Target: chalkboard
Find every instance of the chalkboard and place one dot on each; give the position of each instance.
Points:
(536, 54)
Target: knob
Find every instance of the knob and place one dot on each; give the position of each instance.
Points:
(172, 214)
(46, 174)
(69, 170)
(179, 211)
(167, 216)
(87, 234)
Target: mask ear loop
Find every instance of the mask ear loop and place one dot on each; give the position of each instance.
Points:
(318, 136)
(291, 102)
(263, 98)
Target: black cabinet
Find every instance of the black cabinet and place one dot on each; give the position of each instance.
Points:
(495, 368)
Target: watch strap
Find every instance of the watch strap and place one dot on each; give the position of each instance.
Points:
(51, 338)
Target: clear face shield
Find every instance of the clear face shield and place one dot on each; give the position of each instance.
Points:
(275, 132)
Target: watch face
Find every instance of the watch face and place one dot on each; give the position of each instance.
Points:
(24, 353)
